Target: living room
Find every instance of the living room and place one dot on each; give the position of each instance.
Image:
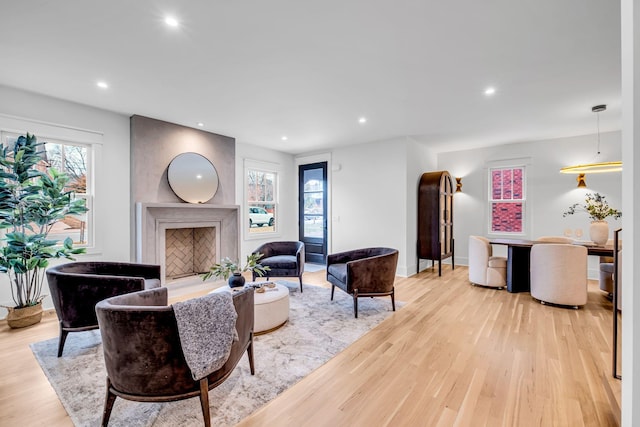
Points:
(362, 175)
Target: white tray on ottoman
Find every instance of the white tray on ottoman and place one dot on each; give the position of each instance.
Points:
(271, 307)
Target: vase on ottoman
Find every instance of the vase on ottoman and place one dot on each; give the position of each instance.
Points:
(236, 280)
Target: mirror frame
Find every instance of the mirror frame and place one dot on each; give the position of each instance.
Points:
(193, 178)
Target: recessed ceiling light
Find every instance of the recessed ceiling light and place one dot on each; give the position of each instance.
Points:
(171, 21)
(362, 120)
(102, 85)
(490, 91)
(284, 138)
(200, 124)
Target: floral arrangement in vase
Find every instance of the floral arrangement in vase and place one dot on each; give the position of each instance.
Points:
(232, 270)
(596, 206)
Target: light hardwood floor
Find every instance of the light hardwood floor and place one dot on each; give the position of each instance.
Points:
(454, 355)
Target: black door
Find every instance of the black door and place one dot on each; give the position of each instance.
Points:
(313, 210)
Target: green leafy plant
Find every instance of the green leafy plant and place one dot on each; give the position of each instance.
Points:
(32, 199)
(226, 267)
(596, 206)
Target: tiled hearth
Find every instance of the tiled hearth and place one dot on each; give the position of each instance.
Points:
(203, 234)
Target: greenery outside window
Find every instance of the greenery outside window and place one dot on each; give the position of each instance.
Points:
(74, 159)
(261, 196)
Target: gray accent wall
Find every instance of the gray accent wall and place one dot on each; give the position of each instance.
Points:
(154, 143)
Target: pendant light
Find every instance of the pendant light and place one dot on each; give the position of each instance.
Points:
(596, 167)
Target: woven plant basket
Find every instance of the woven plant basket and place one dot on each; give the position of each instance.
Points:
(23, 317)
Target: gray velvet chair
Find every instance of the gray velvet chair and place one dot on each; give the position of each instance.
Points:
(76, 288)
(368, 272)
(284, 259)
(143, 353)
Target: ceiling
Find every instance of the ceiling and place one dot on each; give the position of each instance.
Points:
(260, 70)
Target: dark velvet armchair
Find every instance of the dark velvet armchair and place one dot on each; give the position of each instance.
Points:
(77, 287)
(143, 353)
(368, 272)
(285, 259)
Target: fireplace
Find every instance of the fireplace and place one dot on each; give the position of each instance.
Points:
(189, 251)
(186, 239)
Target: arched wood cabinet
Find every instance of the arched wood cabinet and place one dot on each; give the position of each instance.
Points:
(435, 218)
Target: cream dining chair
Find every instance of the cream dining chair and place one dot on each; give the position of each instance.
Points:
(559, 274)
(484, 268)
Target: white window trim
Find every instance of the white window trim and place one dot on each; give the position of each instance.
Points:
(46, 131)
(262, 166)
(522, 162)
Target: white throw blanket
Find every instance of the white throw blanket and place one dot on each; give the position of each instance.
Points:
(207, 329)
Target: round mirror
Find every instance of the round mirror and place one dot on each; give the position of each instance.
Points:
(193, 178)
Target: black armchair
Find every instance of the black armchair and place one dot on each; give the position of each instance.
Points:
(368, 272)
(77, 287)
(285, 259)
(143, 350)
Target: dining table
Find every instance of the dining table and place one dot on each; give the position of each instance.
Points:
(519, 258)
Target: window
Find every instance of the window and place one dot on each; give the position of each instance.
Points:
(74, 160)
(261, 200)
(507, 200)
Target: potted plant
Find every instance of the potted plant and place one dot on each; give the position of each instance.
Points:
(33, 197)
(596, 206)
(232, 271)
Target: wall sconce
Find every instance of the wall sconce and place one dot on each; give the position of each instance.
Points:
(581, 181)
(458, 185)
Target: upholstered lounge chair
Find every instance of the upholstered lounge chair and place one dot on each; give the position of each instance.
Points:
(284, 259)
(76, 287)
(559, 274)
(143, 353)
(607, 270)
(368, 272)
(484, 268)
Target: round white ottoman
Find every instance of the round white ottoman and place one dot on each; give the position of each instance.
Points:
(271, 308)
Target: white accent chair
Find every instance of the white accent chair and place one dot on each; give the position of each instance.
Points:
(559, 274)
(484, 268)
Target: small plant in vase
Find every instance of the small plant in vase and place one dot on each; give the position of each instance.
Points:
(232, 271)
(596, 206)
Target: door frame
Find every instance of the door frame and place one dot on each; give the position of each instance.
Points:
(317, 158)
(318, 244)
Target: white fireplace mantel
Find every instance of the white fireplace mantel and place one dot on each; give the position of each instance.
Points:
(153, 219)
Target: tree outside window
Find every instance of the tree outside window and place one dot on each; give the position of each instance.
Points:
(72, 159)
(507, 199)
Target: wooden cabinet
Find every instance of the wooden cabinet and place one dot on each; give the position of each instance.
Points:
(435, 218)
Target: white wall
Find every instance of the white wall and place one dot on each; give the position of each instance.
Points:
(549, 193)
(630, 16)
(59, 118)
(283, 163)
(369, 197)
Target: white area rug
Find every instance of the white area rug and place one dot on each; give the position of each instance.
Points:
(317, 330)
